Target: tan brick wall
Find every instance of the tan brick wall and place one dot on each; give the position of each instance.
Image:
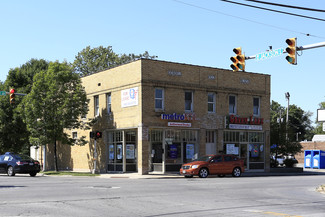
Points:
(175, 78)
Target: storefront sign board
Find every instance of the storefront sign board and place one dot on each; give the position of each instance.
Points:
(179, 124)
(245, 127)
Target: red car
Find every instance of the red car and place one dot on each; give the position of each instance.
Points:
(214, 165)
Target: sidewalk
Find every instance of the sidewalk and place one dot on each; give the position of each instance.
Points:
(175, 175)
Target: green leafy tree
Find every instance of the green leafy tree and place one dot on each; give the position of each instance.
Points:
(319, 125)
(56, 102)
(91, 60)
(13, 132)
(285, 135)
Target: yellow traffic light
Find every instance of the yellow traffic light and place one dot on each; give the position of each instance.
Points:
(238, 60)
(292, 51)
(12, 96)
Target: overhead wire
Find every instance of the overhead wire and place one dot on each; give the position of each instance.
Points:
(245, 19)
(287, 6)
(268, 9)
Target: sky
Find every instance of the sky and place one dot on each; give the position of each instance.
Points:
(186, 31)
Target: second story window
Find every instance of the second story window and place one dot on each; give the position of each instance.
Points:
(189, 101)
(256, 106)
(159, 98)
(211, 102)
(109, 103)
(96, 106)
(232, 104)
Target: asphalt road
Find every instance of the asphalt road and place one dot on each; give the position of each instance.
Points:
(93, 196)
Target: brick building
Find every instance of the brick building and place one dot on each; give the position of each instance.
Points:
(156, 115)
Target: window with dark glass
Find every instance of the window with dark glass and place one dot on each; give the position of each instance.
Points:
(232, 104)
(211, 102)
(256, 106)
(159, 98)
(188, 101)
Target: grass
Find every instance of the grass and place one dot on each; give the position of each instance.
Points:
(65, 173)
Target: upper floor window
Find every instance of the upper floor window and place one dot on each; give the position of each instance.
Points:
(188, 101)
(109, 102)
(159, 98)
(232, 104)
(96, 106)
(211, 102)
(256, 106)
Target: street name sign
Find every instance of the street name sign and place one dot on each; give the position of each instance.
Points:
(269, 54)
(3, 93)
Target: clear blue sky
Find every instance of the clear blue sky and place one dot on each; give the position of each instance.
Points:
(186, 31)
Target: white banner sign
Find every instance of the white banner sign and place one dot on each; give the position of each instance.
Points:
(245, 127)
(129, 97)
(179, 124)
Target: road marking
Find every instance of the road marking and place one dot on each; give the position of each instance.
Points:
(272, 213)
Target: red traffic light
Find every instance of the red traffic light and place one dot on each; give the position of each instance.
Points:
(98, 134)
(12, 96)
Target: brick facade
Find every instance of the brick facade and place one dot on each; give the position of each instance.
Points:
(142, 119)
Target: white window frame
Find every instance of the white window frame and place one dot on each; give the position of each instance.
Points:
(160, 99)
(192, 96)
(234, 107)
(109, 103)
(213, 102)
(259, 106)
(96, 106)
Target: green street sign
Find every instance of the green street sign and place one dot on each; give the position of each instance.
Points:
(2, 93)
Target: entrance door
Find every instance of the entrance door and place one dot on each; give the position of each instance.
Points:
(243, 154)
(157, 152)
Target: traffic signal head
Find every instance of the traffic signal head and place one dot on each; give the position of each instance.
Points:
(292, 51)
(98, 134)
(12, 96)
(238, 60)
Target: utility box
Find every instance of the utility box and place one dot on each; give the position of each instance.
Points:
(308, 159)
(318, 158)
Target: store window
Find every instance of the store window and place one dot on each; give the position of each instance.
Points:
(232, 104)
(109, 102)
(189, 101)
(256, 106)
(211, 102)
(96, 106)
(159, 98)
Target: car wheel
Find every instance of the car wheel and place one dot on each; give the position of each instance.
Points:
(10, 171)
(203, 173)
(33, 174)
(236, 172)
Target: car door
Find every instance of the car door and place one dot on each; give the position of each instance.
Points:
(2, 164)
(228, 164)
(215, 166)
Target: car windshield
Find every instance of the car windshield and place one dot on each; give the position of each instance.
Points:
(204, 158)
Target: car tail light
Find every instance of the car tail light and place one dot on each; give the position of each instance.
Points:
(21, 162)
(36, 162)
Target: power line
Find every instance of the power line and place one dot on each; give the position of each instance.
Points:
(241, 18)
(288, 6)
(267, 9)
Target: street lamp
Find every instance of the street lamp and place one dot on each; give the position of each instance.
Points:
(287, 95)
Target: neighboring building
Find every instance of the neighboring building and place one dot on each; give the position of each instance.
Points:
(156, 115)
(317, 143)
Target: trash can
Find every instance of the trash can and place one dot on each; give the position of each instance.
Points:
(308, 159)
(318, 158)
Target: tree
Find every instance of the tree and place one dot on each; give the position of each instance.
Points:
(283, 134)
(56, 102)
(319, 125)
(13, 132)
(91, 60)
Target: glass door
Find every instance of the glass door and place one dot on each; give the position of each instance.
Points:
(157, 152)
(243, 154)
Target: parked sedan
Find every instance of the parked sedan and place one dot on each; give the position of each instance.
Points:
(215, 165)
(11, 164)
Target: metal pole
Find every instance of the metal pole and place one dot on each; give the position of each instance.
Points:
(287, 94)
(95, 157)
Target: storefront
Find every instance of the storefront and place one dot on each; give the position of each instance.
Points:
(245, 137)
(170, 148)
(122, 151)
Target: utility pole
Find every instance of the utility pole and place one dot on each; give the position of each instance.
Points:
(287, 95)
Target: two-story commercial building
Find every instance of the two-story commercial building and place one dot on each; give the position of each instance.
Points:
(157, 115)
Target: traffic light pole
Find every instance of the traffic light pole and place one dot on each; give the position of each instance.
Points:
(95, 156)
(305, 47)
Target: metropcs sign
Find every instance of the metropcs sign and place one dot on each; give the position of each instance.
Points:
(178, 117)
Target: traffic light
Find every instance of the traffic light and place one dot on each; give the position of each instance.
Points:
(238, 60)
(12, 96)
(292, 51)
(98, 134)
